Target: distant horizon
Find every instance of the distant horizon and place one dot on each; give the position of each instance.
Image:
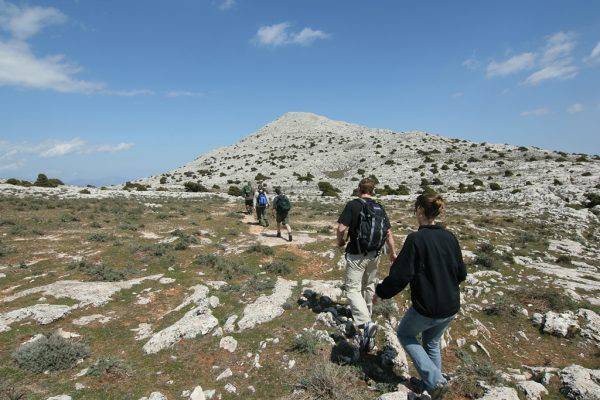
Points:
(116, 180)
(92, 91)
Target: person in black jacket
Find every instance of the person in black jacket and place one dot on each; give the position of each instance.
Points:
(431, 263)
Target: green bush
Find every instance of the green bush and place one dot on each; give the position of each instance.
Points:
(195, 187)
(43, 181)
(99, 271)
(328, 381)
(307, 342)
(593, 200)
(327, 189)
(163, 180)
(135, 186)
(18, 182)
(50, 353)
(388, 191)
(108, 366)
(495, 186)
(278, 267)
(234, 191)
(261, 249)
(260, 177)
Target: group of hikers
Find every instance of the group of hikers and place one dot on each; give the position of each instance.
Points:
(259, 200)
(430, 262)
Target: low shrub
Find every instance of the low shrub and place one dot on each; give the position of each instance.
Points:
(278, 267)
(495, 186)
(329, 381)
(234, 191)
(135, 186)
(385, 309)
(43, 181)
(327, 189)
(195, 187)
(261, 249)
(18, 182)
(50, 353)
(108, 366)
(307, 342)
(593, 200)
(99, 271)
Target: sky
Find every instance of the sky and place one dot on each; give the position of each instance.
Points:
(100, 92)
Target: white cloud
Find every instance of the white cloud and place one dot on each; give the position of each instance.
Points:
(559, 70)
(23, 23)
(555, 60)
(226, 4)
(457, 95)
(64, 148)
(280, 35)
(307, 36)
(20, 67)
(575, 108)
(12, 165)
(470, 63)
(114, 149)
(594, 55)
(56, 148)
(536, 112)
(128, 93)
(184, 93)
(512, 65)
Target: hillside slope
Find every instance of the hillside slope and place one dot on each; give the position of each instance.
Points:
(300, 143)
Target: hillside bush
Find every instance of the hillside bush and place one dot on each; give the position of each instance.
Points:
(329, 381)
(278, 267)
(43, 181)
(234, 191)
(307, 342)
(108, 366)
(18, 182)
(50, 353)
(135, 186)
(402, 190)
(260, 177)
(163, 180)
(495, 186)
(99, 271)
(327, 189)
(593, 200)
(195, 187)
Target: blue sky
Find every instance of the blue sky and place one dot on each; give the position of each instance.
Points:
(104, 91)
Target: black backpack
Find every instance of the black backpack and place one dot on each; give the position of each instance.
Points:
(283, 204)
(372, 228)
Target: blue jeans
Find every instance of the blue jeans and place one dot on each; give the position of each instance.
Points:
(426, 357)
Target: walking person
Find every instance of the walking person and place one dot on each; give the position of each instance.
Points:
(248, 194)
(366, 224)
(261, 202)
(431, 262)
(281, 210)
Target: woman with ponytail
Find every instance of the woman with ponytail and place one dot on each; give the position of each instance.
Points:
(431, 263)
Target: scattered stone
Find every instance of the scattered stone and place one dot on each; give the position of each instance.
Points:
(197, 394)
(41, 313)
(230, 388)
(228, 343)
(198, 321)
(85, 320)
(155, 396)
(267, 308)
(225, 374)
(166, 281)
(500, 393)
(60, 397)
(144, 331)
(580, 383)
(331, 289)
(532, 390)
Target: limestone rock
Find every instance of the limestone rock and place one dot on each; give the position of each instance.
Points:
(563, 325)
(532, 390)
(267, 308)
(500, 393)
(228, 343)
(580, 383)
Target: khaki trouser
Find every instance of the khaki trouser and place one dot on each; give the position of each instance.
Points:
(360, 281)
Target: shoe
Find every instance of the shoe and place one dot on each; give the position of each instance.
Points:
(369, 332)
(438, 392)
(278, 234)
(290, 237)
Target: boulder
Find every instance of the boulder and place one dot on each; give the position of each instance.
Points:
(500, 393)
(532, 390)
(580, 383)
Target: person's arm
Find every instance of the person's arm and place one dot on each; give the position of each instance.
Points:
(391, 245)
(462, 268)
(341, 234)
(401, 272)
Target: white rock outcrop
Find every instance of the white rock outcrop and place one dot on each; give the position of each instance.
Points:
(580, 383)
(41, 313)
(267, 308)
(500, 393)
(197, 321)
(532, 390)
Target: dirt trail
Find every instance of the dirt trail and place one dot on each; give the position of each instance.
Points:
(268, 236)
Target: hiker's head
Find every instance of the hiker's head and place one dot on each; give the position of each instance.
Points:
(249, 183)
(278, 190)
(366, 186)
(264, 186)
(428, 207)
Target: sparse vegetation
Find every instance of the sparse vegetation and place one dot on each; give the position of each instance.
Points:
(50, 353)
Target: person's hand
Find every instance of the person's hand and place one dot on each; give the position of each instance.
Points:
(375, 299)
(392, 257)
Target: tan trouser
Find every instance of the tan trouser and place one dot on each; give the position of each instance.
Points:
(360, 281)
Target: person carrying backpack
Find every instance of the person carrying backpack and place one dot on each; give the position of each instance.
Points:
(261, 202)
(431, 262)
(281, 210)
(248, 194)
(368, 227)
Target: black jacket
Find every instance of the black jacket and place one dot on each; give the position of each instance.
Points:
(431, 262)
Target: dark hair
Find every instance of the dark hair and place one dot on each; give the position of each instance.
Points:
(366, 186)
(432, 205)
(278, 190)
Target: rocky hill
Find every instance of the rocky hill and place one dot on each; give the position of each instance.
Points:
(299, 149)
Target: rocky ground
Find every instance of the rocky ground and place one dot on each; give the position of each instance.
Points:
(152, 292)
(166, 297)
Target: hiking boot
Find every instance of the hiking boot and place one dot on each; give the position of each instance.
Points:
(278, 234)
(369, 332)
(438, 392)
(290, 237)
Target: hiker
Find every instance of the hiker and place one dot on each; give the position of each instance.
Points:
(248, 194)
(281, 210)
(261, 202)
(368, 227)
(431, 262)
